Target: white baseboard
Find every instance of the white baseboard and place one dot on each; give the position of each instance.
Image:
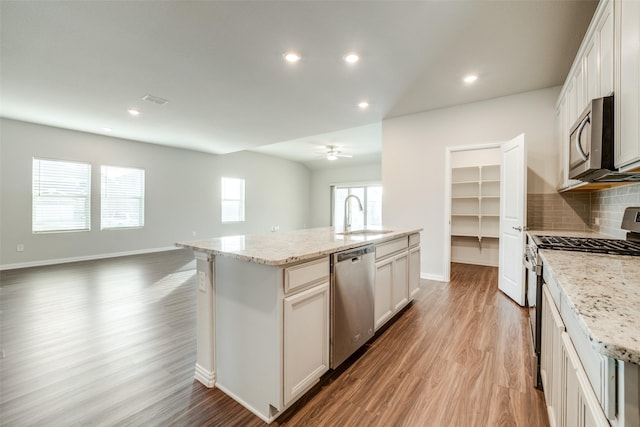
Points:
(475, 261)
(206, 377)
(436, 277)
(84, 258)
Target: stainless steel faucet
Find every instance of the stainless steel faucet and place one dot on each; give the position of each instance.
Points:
(347, 211)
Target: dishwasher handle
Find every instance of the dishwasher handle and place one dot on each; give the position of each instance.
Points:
(354, 255)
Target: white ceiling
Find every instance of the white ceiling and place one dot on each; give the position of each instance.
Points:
(82, 64)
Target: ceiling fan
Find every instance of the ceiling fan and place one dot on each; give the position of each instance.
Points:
(333, 153)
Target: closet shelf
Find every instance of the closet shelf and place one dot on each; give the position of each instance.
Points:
(480, 182)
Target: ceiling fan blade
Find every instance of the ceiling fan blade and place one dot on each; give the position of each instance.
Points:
(345, 155)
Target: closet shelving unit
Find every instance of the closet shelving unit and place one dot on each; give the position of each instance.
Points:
(475, 202)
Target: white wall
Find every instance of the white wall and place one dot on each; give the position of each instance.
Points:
(276, 192)
(323, 179)
(182, 193)
(413, 159)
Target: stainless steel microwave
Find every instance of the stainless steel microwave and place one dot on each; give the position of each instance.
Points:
(591, 147)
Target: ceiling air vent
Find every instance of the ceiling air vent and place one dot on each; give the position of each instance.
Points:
(155, 99)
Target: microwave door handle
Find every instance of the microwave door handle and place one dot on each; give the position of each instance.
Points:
(581, 152)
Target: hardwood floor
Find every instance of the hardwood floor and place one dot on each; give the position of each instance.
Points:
(112, 342)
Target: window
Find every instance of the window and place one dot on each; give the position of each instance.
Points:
(61, 196)
(371, 198)
(122, 201)
(232, 200)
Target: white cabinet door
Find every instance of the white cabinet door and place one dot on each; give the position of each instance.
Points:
(627, 99)
(592, 70)
(384, 288)
(598, 55)
(571, 387)
(579, 87)
(306, 339)
(581, 407)
(605, 51)
(551, 363)
(400, 293)
(414, 272)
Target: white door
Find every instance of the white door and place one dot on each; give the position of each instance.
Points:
(513, 202)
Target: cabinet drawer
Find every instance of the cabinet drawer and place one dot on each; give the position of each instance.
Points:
(303, 275)
(414, 240)
(388, 248)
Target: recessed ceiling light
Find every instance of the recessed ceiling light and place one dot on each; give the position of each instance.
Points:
(291, 57)
(470, 78)
(363, 105)
(351, 58)
(133, 112)
(107, 129)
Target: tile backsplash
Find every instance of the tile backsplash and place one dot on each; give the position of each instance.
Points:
(559, 211)
(599, 211)
(607, 208)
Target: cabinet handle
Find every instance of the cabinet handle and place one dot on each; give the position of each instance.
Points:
(520, 228)
(581, 152)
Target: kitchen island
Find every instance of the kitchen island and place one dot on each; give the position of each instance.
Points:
(264, 301)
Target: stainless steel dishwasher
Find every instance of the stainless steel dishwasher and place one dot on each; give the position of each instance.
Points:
(352, 310)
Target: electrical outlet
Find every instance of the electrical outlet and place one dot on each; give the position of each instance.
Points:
(194, 233)
(20, 247)
(202, 281)
(597, 221)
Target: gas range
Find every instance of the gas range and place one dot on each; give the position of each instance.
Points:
(533, 263)
(586, 244)
(630, 246)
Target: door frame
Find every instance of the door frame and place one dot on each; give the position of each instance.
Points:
(447, 195)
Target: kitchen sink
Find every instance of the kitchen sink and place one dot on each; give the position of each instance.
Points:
(365, 232)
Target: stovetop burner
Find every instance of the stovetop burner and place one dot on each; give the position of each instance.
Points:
(585, 244)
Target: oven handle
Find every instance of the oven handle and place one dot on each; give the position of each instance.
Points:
(528, 264)
(526, 261)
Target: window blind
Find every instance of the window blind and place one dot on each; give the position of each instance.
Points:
(122, 197)
(232, 202)
(61, 196)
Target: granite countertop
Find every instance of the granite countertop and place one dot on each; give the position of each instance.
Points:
(287, 247)
(604, 292)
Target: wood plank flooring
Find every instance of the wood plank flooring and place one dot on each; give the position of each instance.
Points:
(112, 342)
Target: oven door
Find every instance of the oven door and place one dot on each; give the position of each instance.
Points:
(534, 302)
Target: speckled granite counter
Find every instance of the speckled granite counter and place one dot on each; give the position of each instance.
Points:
(287, 247)
(604, 292)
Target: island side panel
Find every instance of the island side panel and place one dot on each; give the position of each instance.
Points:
(248, 334)
(205, 319)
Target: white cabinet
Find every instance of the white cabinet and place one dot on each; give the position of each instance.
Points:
(591, 76)
(551, 358)
(397, 277)
(414, 272)
(581, 408)
(306, 339)
(400, 290)
(392, 287)
(570, 398)
(627, 84)
(384, 286)
(270, 330)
